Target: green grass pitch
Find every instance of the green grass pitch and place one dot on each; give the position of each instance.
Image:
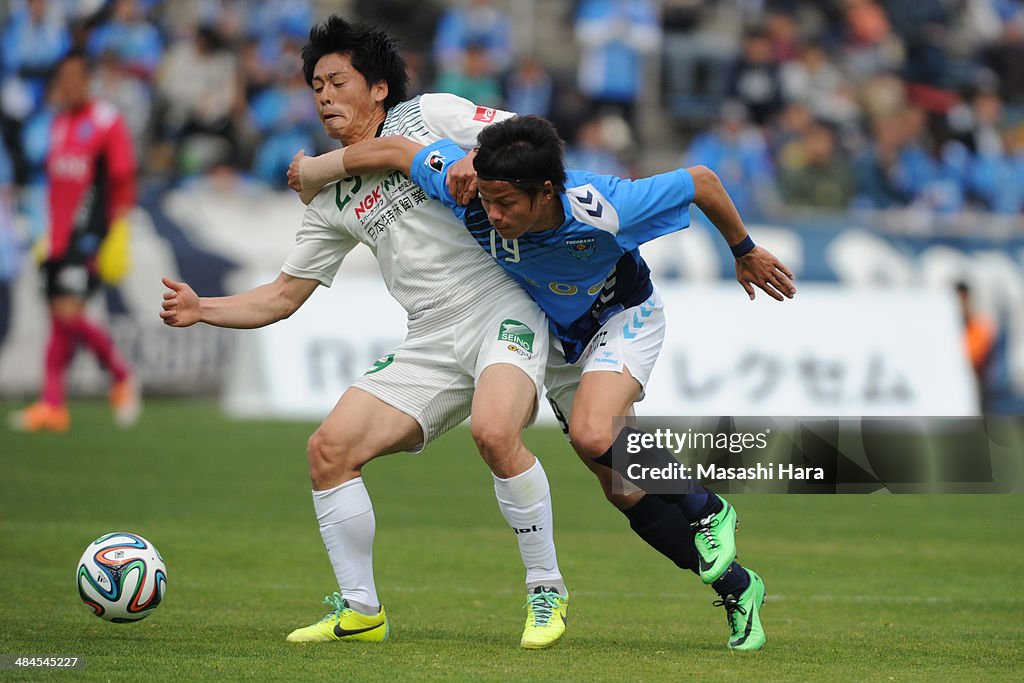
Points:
(880, 587)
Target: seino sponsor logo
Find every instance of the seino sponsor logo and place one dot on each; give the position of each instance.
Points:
(515, 332)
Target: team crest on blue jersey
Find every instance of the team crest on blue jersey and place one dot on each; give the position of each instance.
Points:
(581, 247)
(435, 161)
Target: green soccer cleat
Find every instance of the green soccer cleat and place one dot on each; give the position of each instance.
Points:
(744, 615)
(715, 538)
(343, 623)
(545, 618)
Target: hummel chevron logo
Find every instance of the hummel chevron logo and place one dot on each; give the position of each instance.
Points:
(589, 200)
(342, 632)
(630, 330)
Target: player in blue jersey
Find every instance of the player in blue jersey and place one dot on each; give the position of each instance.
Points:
(570, 239)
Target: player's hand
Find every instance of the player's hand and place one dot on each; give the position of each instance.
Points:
(294, 178)
(306, 190)
(181, 304)
(761, 269)
(462, 179)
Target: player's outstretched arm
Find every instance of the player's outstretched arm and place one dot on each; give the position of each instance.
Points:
(755, 266)
(260, 306)
(307, 175)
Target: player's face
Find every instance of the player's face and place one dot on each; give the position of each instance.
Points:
(70, 88)
(510, 210)
(347, 105)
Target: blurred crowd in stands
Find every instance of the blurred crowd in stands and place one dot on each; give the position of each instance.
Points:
(831, 105)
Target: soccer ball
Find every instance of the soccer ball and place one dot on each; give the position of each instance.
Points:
(122, 577)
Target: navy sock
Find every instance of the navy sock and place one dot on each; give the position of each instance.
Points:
(695, 503)
(733, 582)
(663, 527)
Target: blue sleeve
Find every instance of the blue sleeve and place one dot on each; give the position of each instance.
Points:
(650, 207)
(430, 171)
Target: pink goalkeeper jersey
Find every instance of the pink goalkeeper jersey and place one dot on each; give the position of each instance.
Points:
(91, 169)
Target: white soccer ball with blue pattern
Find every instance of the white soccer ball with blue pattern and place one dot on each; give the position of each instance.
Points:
(122, 577)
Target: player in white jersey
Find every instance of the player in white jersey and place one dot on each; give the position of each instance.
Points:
(476, 342)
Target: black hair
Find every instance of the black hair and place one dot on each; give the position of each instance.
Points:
(373, 52)
(71, 55)
(525, 151)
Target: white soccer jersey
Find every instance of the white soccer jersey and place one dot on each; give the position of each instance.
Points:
(430, 263)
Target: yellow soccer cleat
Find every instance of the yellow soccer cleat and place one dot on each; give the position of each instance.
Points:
(545, 618)
(343, 623)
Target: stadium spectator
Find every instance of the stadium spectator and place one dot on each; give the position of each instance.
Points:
(413, 23)
(841, 60)
(283, 116)
(869, 46)
(113, 83)
(270, 20)
(10, 246)
(470, 349)
(91, 170)
(979, 340)
(529, 88)
(700, 39)
(789, 129)
(592, 149)
(614, 36)
(478, 24)
(924, 28)
(1005, 56)
(34, 39)
(917, 161)
(818, 84)
(783, 33)
(738, 153)
(258, 72)
(473, 79)
(815, 173)
(881, 180)
(996, 177)
(132, 37)
(756, 80)
(200, 89)
(984, 136)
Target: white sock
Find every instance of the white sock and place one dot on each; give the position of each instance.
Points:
(525, 502)
(347, 526)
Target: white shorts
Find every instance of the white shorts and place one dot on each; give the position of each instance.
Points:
(631, 338)
(431, 377)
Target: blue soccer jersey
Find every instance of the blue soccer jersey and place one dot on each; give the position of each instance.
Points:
(589, 267)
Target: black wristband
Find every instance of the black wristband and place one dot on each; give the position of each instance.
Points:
(743, 248)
